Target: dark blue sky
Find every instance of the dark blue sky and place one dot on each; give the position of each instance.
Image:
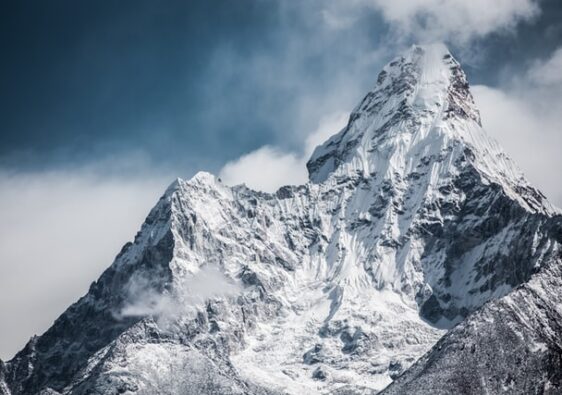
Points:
(192, 84)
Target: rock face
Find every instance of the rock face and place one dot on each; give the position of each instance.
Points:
(511, 345)
(413, 218)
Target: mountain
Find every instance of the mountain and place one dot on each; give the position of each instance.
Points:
(511, 345)
(412, 221)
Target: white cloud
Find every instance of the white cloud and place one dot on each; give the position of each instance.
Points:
(207, 283)
(548, 72)
(339, 15)
(268, 168)
(327, 127)
(59, 231)
(265, 169)
(454, 20)
(524, 116)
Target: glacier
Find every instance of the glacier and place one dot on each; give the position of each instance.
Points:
(414, 227)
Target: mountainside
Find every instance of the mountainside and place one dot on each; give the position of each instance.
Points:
(413, 219)
(512, 345)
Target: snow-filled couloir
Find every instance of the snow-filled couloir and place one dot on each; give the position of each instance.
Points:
(413, 218)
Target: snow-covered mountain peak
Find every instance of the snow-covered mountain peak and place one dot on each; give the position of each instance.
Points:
(419, 115)
(427, 68)
(420, 98)
(427, 77)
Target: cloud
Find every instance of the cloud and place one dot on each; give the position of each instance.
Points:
(327, 127)
(265, 169)
(59, 231)
(310, 65)
(547, 72)
(268, 168)
(456, 21)
(208, 282)
(531, 138)
(524, 116)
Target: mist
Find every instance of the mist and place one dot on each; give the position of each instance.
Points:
(59, 231)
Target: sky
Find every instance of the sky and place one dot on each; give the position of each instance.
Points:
(103, 104)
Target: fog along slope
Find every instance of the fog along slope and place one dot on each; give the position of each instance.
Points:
(412, 219)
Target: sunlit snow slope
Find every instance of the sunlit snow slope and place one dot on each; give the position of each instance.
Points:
(412, 219)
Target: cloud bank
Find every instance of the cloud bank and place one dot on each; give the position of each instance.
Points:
(524, 116)
(547, 72)
(59, 231)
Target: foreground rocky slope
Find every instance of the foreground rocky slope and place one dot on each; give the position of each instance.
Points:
(512, 345)
(413, 218)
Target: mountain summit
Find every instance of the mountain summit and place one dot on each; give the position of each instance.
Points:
(412, 220)
(414, 95)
